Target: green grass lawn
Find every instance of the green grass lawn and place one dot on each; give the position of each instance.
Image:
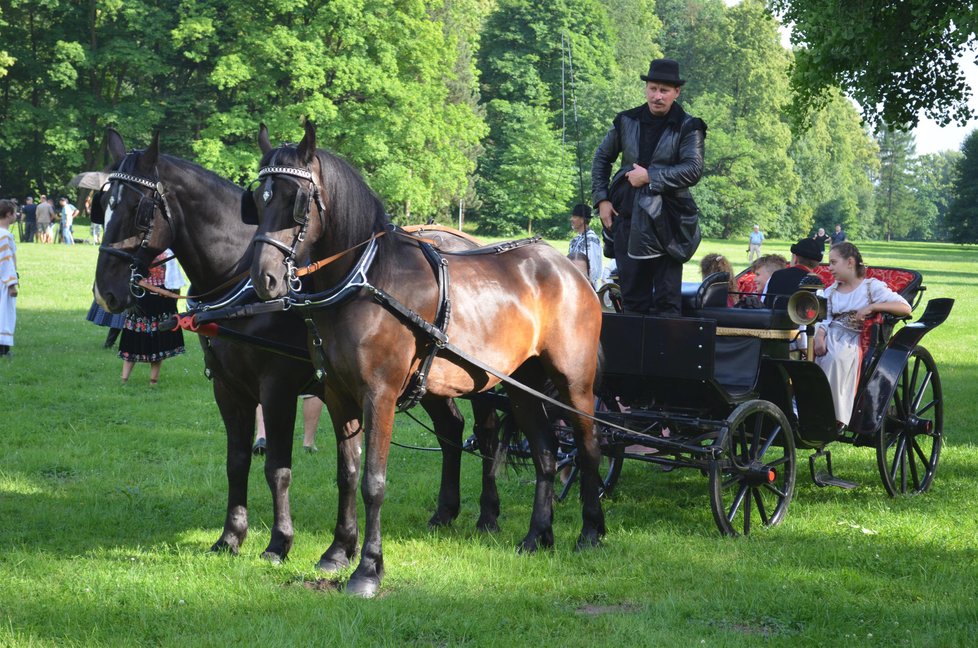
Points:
(110, 497)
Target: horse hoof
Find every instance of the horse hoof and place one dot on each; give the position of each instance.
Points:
(587, 542)
(437, 521)
(362, 587)
(223, 546)
(331, 565)
(272, 557)
(487, 526)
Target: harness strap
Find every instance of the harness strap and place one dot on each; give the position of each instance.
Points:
(143, 283)
(418, 385)
(313, 267)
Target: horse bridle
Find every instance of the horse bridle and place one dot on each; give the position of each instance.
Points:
(300, 213)
(146, 210)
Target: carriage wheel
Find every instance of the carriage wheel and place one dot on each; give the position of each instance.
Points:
(612, 456)
(912, 431)
(752, 481)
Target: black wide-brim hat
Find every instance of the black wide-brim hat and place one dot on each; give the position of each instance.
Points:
(664, 71)
(808, 249)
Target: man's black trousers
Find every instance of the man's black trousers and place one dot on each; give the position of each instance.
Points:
(648, 286)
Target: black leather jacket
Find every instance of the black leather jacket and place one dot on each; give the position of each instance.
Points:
(677, 165)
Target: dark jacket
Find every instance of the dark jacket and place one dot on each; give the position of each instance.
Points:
(783, 284)
(664, 215)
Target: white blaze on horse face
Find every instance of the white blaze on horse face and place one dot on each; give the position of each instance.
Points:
(98, 297)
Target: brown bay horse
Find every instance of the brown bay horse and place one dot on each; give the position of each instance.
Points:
(528, 313)
(201, 223)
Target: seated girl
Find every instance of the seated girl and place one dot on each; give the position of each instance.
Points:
(714, 262)
(851, 300)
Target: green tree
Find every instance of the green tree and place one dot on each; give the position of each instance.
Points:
(524, 66)
(896, 58)
(749, 177)
(895, 201)
(836, 160)
(533, 173)
(962, 217)
(932, 181)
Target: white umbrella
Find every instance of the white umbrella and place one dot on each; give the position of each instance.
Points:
(89, 180)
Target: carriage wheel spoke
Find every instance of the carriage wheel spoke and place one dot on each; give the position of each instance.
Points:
(916, 370)
(919, 451)
(774, 489)
(912, 462)
(756, 440)
(761, 511)
(734, 479)
(920, 392)
(735, 506)
(900, 450)
(926, 407)
(747, 506)
(770, 439)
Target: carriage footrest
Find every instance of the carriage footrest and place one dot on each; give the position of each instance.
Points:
(827, 478)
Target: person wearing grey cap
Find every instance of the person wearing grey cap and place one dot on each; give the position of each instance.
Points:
(646, 208)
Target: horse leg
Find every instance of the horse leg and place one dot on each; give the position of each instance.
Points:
(239, 422)
(346, 426)
(532, 419)
(448, 424)
(378, 425)
(278, 408)
(579, 394)
(487, 429)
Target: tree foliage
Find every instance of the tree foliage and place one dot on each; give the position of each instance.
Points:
(896, 58)
(962, 217)
(895, 209)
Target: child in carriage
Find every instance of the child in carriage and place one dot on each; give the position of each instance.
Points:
(850, 301)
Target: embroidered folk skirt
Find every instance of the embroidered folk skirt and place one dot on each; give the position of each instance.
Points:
(142, 339)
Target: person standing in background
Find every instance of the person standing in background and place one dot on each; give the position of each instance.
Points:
(45, 216)
(839, 236)
(821, 238)
(9, 280)
(68, 213)
(586, 245)
(142, 338)
(754, 244)
(29, 212)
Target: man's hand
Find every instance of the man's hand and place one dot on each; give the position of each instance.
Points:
(607, 213)
(638, 176)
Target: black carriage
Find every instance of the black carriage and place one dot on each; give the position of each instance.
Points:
(718, 390)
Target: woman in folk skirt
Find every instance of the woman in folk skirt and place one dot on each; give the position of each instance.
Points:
(142, 338)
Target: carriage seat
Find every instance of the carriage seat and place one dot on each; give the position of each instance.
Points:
(708, 300)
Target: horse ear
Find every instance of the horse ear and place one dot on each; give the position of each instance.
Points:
(149, 157)
(114, 144)
(249, 210)
(307, 147)
(263, 142)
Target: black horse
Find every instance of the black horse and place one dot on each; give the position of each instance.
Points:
(171, 203)
(527, 312)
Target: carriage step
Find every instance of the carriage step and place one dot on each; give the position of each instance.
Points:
(827, 478)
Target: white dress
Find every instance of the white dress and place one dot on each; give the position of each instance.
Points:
(842, 359)
(8, 277)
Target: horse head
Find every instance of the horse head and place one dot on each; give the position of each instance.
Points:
(308, 203)
(133, 212)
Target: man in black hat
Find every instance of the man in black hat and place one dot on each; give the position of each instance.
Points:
(646, 208)
(805, 256)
